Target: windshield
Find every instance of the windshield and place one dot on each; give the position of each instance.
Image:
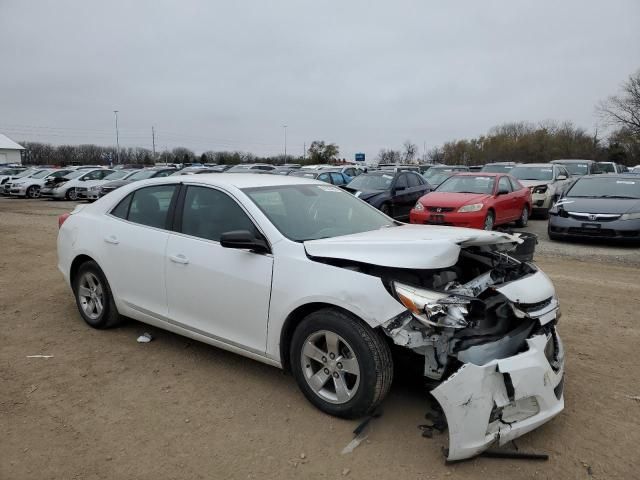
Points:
(605, 187)
(239, 168)
(576, 168)
(310, 212)
(497, 168)
(117, 175)
(532, 173)
(303, 173)
(437, 178)
(468, 184)
(142, 175)
(75, 174)
(372, 181)
(606, 168)
(41, 174)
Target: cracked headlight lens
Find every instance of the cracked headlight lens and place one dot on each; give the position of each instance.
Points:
(433, 309)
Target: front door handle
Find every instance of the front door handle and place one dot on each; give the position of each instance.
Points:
(112, 239)
(179, 258)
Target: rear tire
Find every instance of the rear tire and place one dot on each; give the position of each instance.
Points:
(94, 298)
(348, 389)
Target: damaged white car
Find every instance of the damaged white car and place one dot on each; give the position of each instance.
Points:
(301, 275)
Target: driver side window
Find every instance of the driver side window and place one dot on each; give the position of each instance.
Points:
(401, 182)
(504, 185)
(208, 213)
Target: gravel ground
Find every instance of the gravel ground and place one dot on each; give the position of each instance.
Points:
(104, 406)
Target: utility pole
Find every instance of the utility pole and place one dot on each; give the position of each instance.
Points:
(304, 151)
(424, 152)
(153, 140)
(285, 143)
(117, 139)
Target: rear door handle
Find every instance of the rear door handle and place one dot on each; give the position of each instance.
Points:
(179, 258)
(112, 239)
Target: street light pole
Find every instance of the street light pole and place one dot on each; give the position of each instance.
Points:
(285, 143)
(117, 139)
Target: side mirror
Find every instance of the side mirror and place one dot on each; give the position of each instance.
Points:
(243, 239)
(503, 192)
(562, 177)
(399, 189)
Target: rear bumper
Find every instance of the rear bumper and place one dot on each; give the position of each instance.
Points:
(616, 230)
(469, 220)
(501, 400)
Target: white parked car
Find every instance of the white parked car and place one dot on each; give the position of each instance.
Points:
(30, 186)
(6, 182)
(547, 182)
(90, 190)
(67, 190)
(304, 276)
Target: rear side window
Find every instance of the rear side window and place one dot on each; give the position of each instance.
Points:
(122, 209)
(147, 206)
(208, 213)
(163, 173)
(324, 177)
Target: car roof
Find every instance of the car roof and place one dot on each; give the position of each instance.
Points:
(572, 160)
(238, 180)
(626, 175)
(479, 174)
(498, 163)
(535, 165)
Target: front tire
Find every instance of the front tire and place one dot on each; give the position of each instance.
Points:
(524, 218)
(341, 365)
(33, 191)
(72, 194)
(489, 221)
(386, 209)
(94, 298)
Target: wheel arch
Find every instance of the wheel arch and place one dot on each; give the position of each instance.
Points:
(77, 263)
(293, 320)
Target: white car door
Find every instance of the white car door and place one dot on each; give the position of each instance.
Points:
(220, 292)
(135, 239)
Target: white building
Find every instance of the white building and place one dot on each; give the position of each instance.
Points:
(9, 151)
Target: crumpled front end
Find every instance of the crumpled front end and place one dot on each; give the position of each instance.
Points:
(486, 330)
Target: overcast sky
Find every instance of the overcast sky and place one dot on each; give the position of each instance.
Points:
(363, 74)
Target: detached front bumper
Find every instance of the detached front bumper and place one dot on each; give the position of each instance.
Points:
(501, 400)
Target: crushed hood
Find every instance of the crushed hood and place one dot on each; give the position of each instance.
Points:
(407, 246)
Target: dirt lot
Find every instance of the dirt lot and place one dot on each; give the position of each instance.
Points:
(104, 406)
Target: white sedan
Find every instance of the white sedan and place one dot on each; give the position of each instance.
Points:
(303, 276)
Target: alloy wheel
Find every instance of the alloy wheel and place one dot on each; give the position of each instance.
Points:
(330, 367)
(91, 295)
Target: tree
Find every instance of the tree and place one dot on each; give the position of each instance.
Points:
(319, 152)
(409, 152)
(388, 156)
(623, 110)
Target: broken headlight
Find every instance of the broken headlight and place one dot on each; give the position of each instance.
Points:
(433, 309)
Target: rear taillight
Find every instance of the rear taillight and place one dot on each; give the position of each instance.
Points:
(62, 218)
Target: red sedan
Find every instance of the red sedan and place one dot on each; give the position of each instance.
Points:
(475, 200)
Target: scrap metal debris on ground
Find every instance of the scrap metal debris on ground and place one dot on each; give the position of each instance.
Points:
(145, 338)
